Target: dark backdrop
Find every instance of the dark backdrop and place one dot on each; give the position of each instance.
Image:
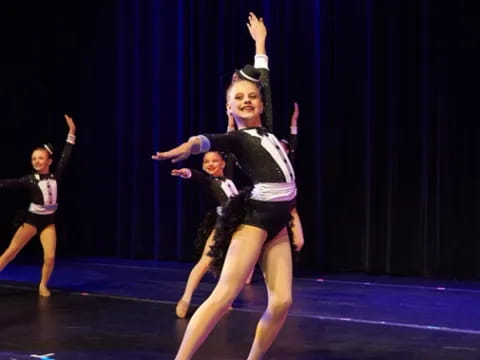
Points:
(388, 158)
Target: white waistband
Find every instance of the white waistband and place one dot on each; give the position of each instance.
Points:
(274, 191)
(42, 209)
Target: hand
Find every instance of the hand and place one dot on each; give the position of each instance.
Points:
(256, 27)
(298, 244)
(177, 154)
(183, 173)
(71, 124)
(296, 112)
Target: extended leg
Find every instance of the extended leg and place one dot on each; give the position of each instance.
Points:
(48, 238)
(242, 255)
(194, 278)
(19, 240)
(276, 263)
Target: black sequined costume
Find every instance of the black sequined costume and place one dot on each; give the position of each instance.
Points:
(43, 190)
(272, 197)
(260, 155)
(221, 188)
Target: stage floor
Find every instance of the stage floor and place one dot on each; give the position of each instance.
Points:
(113, 309)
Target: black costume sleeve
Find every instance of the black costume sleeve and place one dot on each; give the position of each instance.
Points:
(14, 183)
(229, 166)
(200, 177)
(267, 116)
(293, 148)
(227, 143)
(210, 185)
(64, 158)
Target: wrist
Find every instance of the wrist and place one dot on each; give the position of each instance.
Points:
(188, 174)
(261, 61)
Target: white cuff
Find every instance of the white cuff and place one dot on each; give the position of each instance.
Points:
(261, 62)
(204, 143)
(71, 139)
(293, 130)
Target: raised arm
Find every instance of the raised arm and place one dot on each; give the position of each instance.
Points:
(293, 132)
(67, 149)
(71, 125)
(258, 32)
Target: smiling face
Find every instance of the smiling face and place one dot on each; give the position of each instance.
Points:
(244, 101)
(213, 163)
(41, 161)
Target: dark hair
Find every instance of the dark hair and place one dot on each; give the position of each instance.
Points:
(221, 154)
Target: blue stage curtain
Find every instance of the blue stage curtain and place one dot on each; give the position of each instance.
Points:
(388, 157)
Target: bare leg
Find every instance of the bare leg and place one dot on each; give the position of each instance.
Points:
(48, 238)
(242, 255)
(297, 230)
(196, 275)
(19, 240)
(276, 263)
(249, 278)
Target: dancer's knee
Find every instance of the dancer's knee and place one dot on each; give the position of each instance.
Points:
(279, 306)
(223, 298)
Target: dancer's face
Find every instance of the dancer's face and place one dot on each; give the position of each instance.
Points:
(213, 163)
(245, 102)
(41, 161)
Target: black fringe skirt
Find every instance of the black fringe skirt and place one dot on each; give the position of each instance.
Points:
(233, 215)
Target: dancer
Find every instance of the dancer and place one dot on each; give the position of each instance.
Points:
(259, 73)
(221, 188)
(40, 219)
(262, 234)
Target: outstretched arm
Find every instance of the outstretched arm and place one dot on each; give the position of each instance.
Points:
(226, 143)
(184, 173)
(181, 152)
(14, 183)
